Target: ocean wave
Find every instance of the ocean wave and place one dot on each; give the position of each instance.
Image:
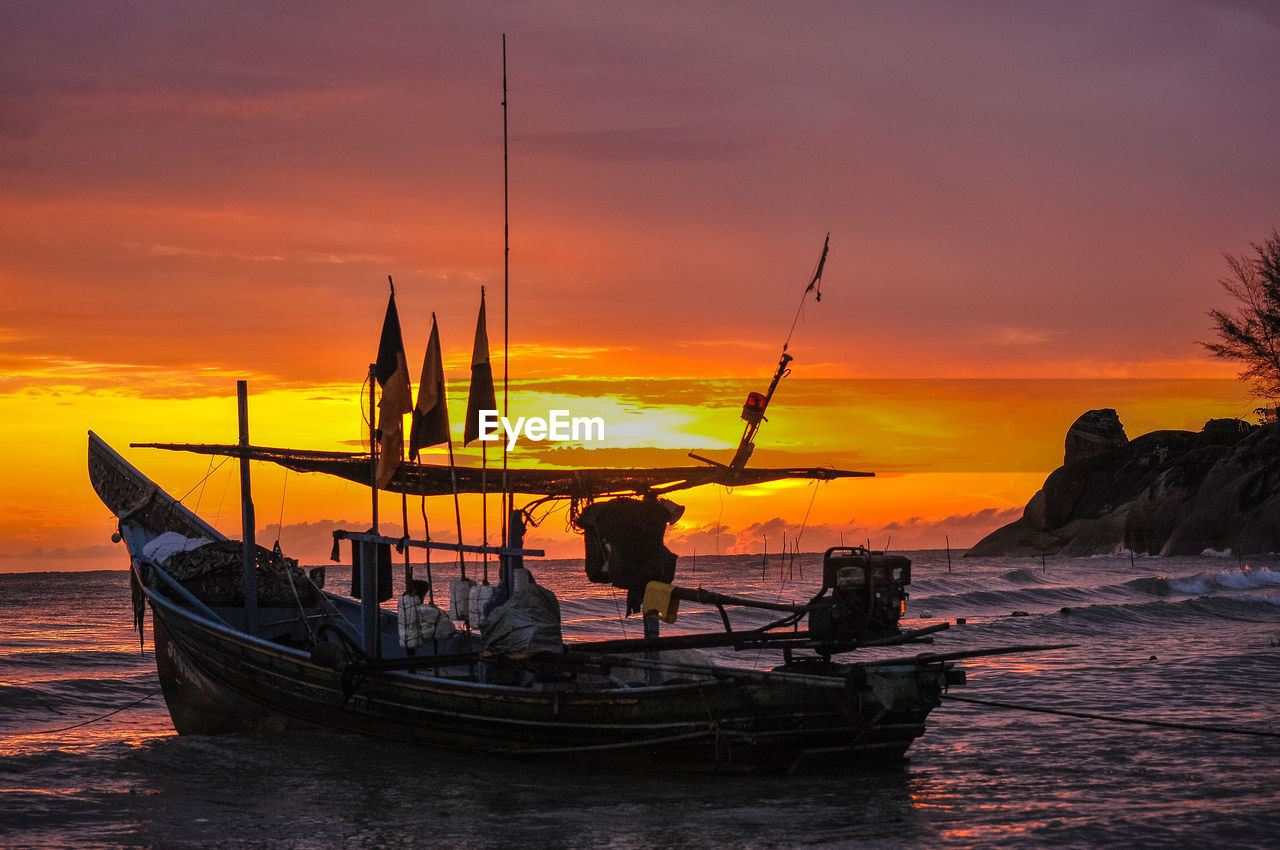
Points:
(1023, 576)
(44, 659)
(1211, 582)
(1035, 597)
(1157, 615)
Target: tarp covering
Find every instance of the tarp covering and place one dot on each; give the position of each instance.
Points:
(527, 623)
(213, 572)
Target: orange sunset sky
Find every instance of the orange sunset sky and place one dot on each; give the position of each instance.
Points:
(1028, 205)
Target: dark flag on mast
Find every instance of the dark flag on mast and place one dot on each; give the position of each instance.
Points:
(481, 396)
(431, 414)
(392, 374)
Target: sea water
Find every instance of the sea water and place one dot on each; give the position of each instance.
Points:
(88, 757)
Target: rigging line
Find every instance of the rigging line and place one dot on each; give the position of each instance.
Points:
(365, 423)
(719, 518)
(85, 722)
(426, 535)
(204, 479)
(1164, 724)
(200, 498)
(302, 612)
(804, 522)
(617, 609)
(331, 610)
(284, 488)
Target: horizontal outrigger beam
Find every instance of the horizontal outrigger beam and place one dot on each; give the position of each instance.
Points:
(749, 639)
(442, 480)
(401, 542)
(961, 654)
(574, 656)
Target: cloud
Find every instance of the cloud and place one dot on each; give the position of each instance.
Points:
(962, 530)
(62, 553)
(702, 539)
(1024, 336)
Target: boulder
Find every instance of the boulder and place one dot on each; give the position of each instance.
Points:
(1095, 432)
(1163, 493)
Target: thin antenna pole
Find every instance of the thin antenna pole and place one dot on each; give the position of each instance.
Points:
(484, 462)
(484, 504)
(506, 287)
(814, 286)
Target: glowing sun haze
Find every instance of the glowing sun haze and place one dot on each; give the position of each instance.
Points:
(1027, 204)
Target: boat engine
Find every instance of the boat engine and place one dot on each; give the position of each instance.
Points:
(863, 595)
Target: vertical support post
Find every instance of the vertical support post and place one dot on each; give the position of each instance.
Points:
(651, 629)
(515, 540)
(373, 443)
(249, 568)
(369, 610)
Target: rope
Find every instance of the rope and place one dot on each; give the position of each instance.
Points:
(203, 480)
(805, 522)
(92, 720)
(1164, 724)
(284, 490)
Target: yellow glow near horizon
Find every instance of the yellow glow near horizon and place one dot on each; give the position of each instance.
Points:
(954, 458)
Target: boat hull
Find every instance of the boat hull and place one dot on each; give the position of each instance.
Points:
(216, 680)
(219, 677)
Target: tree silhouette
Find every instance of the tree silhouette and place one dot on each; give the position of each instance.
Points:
(1251, 334)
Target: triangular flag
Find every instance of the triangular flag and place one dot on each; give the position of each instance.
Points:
(431, 413)
(392, 374)
(481, 396)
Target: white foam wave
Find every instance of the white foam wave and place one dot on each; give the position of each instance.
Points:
(1242, 579)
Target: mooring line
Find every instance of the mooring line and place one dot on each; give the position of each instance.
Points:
(86, 722)
(1165, 724)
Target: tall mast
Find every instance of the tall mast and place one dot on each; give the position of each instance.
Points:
(249, 549)
(506, 289)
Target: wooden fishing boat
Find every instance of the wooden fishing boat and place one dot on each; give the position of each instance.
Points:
(245, 640)
(303, 657)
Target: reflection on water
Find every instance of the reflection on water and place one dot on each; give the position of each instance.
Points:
(397, 797)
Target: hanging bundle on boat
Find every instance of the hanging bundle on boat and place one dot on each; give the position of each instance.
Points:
(418, 621)
(624, 548)
(460, 600)
(478, 602)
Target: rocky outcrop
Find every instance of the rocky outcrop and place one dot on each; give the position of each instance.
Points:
(1095, 432)
(1164, 493)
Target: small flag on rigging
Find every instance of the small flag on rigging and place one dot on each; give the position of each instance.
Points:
(431, 413)
(392, 374)
(481, 395)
